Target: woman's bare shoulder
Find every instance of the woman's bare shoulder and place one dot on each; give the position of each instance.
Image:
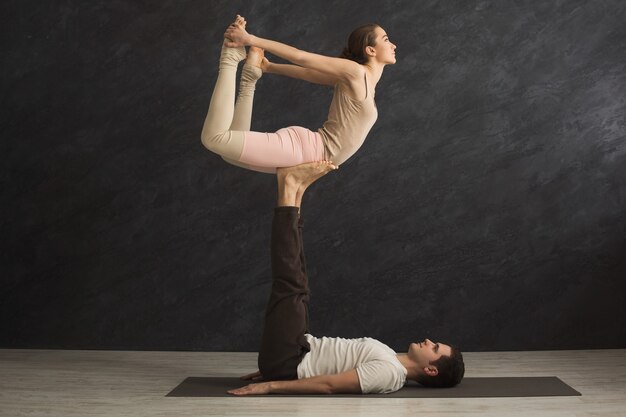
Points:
(355, 88)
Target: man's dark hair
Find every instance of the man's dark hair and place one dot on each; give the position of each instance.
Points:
(451, 370)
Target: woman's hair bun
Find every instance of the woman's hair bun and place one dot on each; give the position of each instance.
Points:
(347, 54)
(359, 39)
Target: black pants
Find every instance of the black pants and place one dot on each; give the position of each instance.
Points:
(283, 344)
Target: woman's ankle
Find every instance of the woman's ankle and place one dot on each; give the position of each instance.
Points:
(232, 56)
(250, 73)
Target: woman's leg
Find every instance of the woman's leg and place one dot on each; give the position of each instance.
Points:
(226, 129)
(227, 141)
(250, 74)
(216, 133)
(242, 120)
(286, 147)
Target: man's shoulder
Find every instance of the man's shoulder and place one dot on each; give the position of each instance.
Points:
(381, 376)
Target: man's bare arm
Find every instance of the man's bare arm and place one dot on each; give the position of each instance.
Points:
(345, 382)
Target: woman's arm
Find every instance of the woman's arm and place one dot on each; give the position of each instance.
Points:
(338, 67)
(306, 74)
(346, 382)
(335, 67)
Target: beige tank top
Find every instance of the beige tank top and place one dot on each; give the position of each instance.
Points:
(349, 122)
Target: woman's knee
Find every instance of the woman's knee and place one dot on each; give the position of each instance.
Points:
(227, 144)
(212, 140)
(218, 142)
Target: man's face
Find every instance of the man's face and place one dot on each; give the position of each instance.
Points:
(426, 352)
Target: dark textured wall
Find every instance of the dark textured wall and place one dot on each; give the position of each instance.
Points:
(486, 208)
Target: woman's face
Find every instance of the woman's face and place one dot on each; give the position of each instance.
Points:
(385, 51)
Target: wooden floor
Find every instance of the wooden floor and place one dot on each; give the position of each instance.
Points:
(121, 383)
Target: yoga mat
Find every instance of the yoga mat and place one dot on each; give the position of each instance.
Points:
(469, 387)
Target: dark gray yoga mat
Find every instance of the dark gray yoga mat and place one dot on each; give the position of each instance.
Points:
(469, 387)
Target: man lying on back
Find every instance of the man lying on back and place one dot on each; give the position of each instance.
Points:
(293, 361)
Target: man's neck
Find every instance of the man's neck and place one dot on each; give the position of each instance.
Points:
(410, 366)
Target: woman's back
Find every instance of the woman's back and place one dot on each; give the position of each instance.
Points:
(349, 121)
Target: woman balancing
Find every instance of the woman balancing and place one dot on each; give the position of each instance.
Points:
(352, 112)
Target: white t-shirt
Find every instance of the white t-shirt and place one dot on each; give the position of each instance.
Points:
(378, 367)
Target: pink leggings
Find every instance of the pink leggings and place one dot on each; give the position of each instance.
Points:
(286, 147)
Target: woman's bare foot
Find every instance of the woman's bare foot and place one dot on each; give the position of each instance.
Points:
(256, 56)
(293, 181)
(265, 65)
(241, 22)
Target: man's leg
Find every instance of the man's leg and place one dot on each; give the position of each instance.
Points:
(283, 343)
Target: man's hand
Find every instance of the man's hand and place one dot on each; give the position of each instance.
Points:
(252, 389)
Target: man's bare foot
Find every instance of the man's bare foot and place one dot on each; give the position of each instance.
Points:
(241, 22)
(304, 175)
(255, 56)
(299, 177)
(293, 181)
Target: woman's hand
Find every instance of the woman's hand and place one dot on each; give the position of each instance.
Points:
(236, 35)
(252, 389)
(265, 65)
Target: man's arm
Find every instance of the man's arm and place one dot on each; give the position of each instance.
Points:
(345, 382)
(301, 73)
